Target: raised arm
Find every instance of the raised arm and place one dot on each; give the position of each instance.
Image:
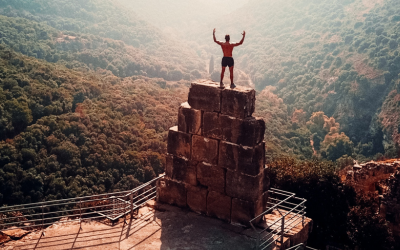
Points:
(215, 40)
(241, 41)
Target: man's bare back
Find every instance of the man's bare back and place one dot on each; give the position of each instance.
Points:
(227, 60)
(227, 47)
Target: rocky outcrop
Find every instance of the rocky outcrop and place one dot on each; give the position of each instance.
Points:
(368, 176)
(216, 155)
(390, 204)
(4, 238)
(382, 179)
(13, 233)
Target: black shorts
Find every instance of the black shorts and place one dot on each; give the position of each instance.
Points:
(227, 61)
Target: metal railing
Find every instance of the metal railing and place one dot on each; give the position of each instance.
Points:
(110, 206)
(291, 210)
(301, 246)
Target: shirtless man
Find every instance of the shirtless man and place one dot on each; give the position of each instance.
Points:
(227, 60)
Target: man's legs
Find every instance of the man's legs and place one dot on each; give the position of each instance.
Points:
(231, 71)
(222, 77)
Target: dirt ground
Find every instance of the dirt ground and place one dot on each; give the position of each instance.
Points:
(168, 228)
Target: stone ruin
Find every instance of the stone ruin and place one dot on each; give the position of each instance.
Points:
(216, 155)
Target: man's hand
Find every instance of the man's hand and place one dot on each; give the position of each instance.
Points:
(241, 41)
(214, 31)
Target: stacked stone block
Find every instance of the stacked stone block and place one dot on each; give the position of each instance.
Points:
(216, 155)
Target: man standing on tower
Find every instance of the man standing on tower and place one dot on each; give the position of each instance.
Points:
(227, 60)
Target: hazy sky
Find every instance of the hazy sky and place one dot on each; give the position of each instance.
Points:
(180, 16)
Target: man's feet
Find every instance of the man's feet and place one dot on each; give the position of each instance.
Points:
(233, 86)
(221, 85)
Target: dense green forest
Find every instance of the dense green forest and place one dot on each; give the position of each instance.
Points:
(68, 133)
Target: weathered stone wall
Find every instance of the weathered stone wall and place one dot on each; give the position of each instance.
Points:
(216, 155)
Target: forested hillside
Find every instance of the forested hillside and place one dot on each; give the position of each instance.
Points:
(98, 33)
(339, 57)
(78, 114)
(67, 133)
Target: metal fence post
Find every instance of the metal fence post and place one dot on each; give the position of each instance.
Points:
(80, 214)
(42, 217)
(302, 216)
(124, 208)
(282, 230)
(131, 198)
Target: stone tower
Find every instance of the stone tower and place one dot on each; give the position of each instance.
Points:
(216, 155)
